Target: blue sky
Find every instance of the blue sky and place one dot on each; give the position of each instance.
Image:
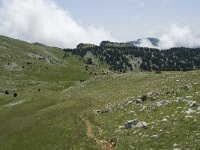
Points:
(66, 23)
(130, 19)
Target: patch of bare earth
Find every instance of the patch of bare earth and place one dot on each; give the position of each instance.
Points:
(101, 143)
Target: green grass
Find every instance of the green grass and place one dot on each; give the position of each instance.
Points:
(51, 101)
(114, 89)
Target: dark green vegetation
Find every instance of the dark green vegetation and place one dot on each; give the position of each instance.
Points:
(48, 98)
(124, 56)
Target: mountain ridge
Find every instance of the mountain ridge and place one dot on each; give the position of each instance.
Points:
(120, 55)
(123, 57)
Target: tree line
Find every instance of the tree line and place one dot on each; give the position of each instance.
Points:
(118, 56)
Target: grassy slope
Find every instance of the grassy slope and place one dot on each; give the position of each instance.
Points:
(179, 129)
(31, 120)
(52, 118)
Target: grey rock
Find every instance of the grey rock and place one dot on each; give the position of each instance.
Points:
(131, 124)
(189, 111)
(192, 104)
(141, 124)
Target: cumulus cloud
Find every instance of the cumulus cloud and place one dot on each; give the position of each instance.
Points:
(44, 21)
(179, 36)
(174, 36)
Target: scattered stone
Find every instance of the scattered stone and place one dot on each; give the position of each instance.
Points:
(13, 104)
(188, 97)
(110, 107)
(165, 120)
(187, 87)
(142, 124)
(132, 147)
(154, 136)
(198, 108)
(143, 108)
(121, 127)
(135, 131)
(175, 145)
(137, 101)
(197, 134)
(188, 116)
(189, 111)
(145, 136)
(177, 149)
(158, 104)
(135, 124)
(129, 102)
(13, 67)
(97, 111)
(192, 104)
(178, 98)
(131, 124)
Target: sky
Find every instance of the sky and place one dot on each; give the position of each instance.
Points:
(66, 23)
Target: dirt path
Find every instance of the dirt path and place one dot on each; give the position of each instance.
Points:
(103, 144)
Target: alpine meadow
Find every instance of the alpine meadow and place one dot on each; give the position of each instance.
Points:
(99, 75)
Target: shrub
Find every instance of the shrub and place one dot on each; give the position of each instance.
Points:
(144, 98)
(6, 92)
(89, 61)
(158, 72)
(15, 95)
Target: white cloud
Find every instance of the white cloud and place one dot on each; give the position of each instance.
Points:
(44, 21)
(179, 36)
(173, 36)
(146, 43)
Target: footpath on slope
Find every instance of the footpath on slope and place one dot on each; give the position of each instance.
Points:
(101, 143)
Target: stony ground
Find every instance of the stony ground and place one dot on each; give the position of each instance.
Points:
(144, 110)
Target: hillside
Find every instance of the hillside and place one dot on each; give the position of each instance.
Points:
(123, 57)
(32, 79)
(55, 99)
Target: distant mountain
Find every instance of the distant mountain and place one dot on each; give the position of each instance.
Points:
(124, 57)
(153, 41)
(120, 57)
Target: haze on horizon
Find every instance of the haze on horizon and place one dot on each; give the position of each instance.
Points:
(66, 23)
